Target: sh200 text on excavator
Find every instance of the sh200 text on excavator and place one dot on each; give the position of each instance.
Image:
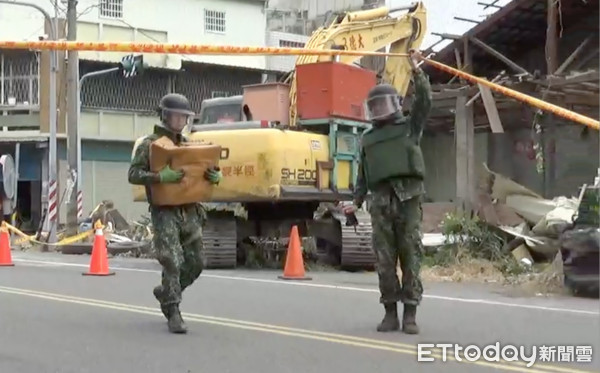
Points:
(290, 150)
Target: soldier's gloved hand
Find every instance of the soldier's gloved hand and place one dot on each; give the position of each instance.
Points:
(169, 175)
(213, 175)
(414, 59)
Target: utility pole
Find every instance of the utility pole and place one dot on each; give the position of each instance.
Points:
(50, 223)
(72, 120)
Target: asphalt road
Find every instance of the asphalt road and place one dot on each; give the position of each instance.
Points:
(53, 319)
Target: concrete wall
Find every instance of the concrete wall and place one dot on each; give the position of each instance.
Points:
(572, 159)
(104, 180)
(440, 159)
(115, 125)
(104, 176)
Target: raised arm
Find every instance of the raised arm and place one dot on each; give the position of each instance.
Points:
(139, 170)
(419, 112)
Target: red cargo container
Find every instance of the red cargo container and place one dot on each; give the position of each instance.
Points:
(332, 89)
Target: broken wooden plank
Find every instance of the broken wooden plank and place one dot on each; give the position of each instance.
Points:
(495, 80)
(490, 107)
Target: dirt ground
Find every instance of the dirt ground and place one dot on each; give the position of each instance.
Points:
(544, 281)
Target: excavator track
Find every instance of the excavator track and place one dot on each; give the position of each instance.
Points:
(220, 242)
(357, 247)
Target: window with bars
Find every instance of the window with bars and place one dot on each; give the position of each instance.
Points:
(111, 9)
(291, 44)
(214, 21)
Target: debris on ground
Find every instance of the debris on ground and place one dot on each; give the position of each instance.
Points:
(122, 238)
(539, 234)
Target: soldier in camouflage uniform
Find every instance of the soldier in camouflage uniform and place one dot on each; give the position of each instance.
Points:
(177, 229)
(392, 168)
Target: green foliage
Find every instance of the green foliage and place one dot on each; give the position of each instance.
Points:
(474, 237)
(469, 238)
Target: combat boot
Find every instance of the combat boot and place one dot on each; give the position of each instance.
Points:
(176, 323)
(158, 294)
(390, 321)
(409, 322)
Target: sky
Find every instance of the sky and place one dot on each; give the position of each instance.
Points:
(441, 13)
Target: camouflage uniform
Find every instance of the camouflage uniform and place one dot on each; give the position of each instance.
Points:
(177, 229)
(396, 215)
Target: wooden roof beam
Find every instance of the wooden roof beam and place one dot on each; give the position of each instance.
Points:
(587, 77)
(585, 59)
(565, 65)
(492, 5)
(466, 20)
(498, 55)
(551, 37)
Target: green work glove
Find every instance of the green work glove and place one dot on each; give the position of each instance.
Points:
(169, 175)
(213, 175)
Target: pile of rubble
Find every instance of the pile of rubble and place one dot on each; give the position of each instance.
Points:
(122, 238)
(563, 230)
(561, 235)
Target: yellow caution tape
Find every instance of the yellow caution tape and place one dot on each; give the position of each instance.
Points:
(77, 237)
(65, 241)
(22, 240)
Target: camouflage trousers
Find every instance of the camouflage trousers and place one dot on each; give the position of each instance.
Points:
(179, 249)
(396, 235)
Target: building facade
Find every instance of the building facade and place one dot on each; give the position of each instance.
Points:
(290, 23)
(115, 110)
(305, 16)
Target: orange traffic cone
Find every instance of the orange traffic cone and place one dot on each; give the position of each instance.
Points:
(5, 255)
(294, 264)
(99, 260)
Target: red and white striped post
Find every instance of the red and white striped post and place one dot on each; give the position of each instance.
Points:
(52, 204)
(79, 204)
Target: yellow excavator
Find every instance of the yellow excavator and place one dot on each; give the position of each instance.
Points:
(281, 174)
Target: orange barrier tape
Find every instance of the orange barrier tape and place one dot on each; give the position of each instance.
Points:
(168, 48)
(543, 105)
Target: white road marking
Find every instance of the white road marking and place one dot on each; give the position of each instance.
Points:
(328, 286)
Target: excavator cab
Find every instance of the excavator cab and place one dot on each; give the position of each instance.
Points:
(222, 110)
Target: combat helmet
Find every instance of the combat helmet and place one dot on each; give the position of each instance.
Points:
(383, 103)
(174, 103)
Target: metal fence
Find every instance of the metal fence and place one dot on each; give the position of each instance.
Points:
(142, 93)
(113, 92)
